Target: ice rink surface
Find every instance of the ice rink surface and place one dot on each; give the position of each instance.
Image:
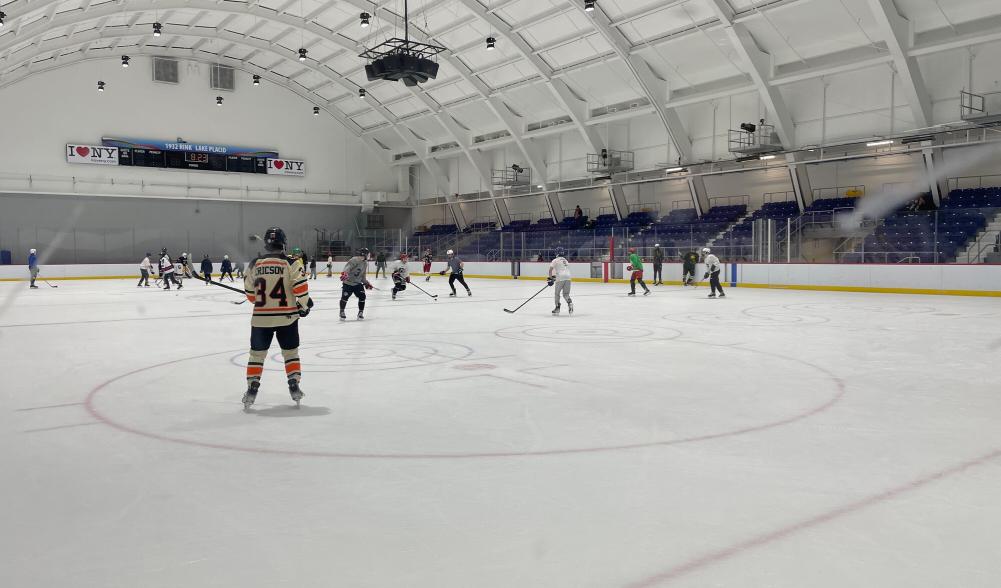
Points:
(776, 439)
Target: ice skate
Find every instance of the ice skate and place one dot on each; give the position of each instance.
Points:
(569, 307)
(251, 395)
(295, 392)
(556, 311)
(712, 296)
(646, 293)
(361, 315)
(469, 292)
(452, 295)
(722, 295)
(344, 316)
(631, 294)
(394, 295)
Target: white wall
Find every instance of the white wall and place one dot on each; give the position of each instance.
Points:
(45, 112)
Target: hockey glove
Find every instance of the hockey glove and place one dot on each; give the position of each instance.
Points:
(344, 276)
(441, 273)
(408, 279)
(629, 268)
(706, 277)
(303, 312)
(310, 303)
(368, 285)
(550, 281)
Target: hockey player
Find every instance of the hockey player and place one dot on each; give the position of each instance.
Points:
(713, 268)
(33, 267)
(401, 275)
(455, 269)
(279, 291)
(688, 268)
(312, 268)
(636, 267)
(167, 270)
(207, 269)
(380, 264)
(239, 269)
(330, 266)
(559, 274)
(226, 268)
(428, 258)
(658, 265)
(355, 281)
(145, 268)
(185, 268)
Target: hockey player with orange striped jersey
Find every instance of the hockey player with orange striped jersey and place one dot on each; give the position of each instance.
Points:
(276, 285)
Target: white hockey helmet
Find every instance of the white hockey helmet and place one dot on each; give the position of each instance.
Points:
(225, 257)
(32, 251)
(656, 244)
(705, 250)
(449, 252)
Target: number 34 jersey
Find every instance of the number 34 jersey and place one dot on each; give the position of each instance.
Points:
(277, 287)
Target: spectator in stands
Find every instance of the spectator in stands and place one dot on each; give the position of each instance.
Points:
(658, 265)
(578, 216)
(540, 258)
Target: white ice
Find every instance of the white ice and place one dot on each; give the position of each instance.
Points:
(775, 439)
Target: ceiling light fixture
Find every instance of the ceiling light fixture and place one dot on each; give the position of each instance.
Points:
(3, 15)
(879, 143)
(588, 5)
(766, 157)
(365, 18)
(316, 111)
(125, 60)
(257, 80)
(100, 86)
(491, 43)
(157, 29)
(362, 93)
(672, 170)
(218, 100)
(302, 54)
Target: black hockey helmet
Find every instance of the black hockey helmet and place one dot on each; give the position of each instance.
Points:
(163, 251)
(363, 252)
(274, 239)
(560, 252)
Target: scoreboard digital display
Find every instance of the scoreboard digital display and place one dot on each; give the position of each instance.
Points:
(195, 160)
(147, 158)
(184, 155)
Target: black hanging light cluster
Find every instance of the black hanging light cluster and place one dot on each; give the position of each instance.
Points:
(316, 111)
(100, 86)
(257, 80)
(157, 29)
(3, 15)
(218, 100)
(302, 54)
(362, 93)
(365, 19)
(491, 43)
(403, 60)
(589, 5)
(125, 60)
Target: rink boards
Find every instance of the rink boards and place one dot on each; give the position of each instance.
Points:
(948, 279)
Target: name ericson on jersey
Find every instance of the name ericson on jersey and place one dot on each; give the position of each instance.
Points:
(277, 287)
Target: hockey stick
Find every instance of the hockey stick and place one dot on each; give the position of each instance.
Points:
(433, 296)
(527, 301)
(214, 283)
(49, 285)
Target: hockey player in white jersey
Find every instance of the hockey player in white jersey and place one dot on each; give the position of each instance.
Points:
(401, 274)
(713, 268)
(560, 276)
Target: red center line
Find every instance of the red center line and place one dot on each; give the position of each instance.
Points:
(740, 548)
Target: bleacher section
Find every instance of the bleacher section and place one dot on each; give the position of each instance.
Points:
(438, 230)
(742, 234)
(918, 235)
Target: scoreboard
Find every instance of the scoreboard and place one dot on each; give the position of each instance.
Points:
(184, 155)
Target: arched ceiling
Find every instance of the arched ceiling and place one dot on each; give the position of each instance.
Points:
(553, 61)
